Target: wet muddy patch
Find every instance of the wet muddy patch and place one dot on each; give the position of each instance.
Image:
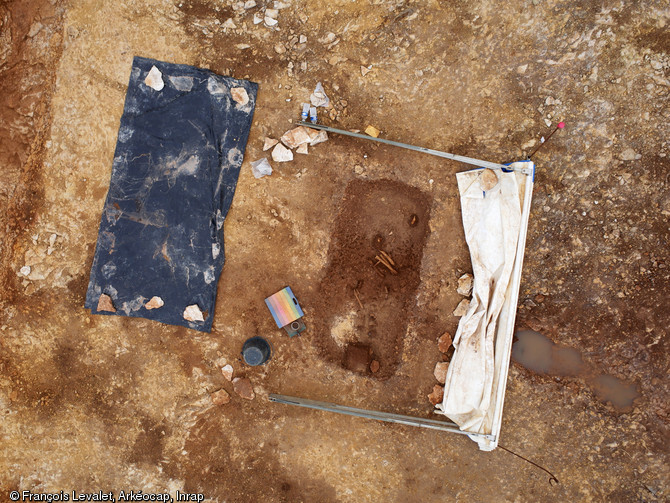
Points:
(369, 288)
(541, 355)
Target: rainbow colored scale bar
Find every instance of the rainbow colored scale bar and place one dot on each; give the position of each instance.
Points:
(284, 307)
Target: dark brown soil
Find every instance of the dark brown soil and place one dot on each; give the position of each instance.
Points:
(375, 216)
(27, 74)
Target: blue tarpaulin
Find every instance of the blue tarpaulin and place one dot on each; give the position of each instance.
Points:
(176, 164)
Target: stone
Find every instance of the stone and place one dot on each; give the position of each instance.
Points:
(243, 388)
(182, 83)
(272, 13)
(229, 24)
(462, 307)
(521, 69)
(444, 342)
(320, 137)
(220, 397)
(281, 154)
(227, 371)
(25, 270)
(440, 372)
(279, 48)
(358, 169)
(629, 155)
(35, 29)
(154, 79)
(297, 136)
(270, 21)
(154, 303)
(329, 38)
(239, 95)
(250, 4)
(318, 98)
(268, 143)
(193, 313)
(437, 395)
(465, 285)
(488, 179)
(105, 304)
(303, 39)
(302, 149)
(365, 70)
(258, 18)
(261, 168)
(374, 366)
(372, 131)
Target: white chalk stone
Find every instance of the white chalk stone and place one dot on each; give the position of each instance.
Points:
(154, 79)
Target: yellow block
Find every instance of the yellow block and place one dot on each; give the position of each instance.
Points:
(372, 131)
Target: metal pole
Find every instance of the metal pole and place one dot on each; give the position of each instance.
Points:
(372, 414)
(438, 153)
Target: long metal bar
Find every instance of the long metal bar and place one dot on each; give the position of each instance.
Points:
(438, 153)
(372, 414)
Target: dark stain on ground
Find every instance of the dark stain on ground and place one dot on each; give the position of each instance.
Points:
(26, 80)
(257, 475)
(381, 292)
(148, 446)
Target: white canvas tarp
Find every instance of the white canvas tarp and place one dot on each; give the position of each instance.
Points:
(495, 206)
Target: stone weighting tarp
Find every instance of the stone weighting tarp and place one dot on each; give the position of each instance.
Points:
(178, 155)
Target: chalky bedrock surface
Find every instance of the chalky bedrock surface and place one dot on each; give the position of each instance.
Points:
(176, 164)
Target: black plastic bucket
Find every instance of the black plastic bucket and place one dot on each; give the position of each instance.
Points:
(256, 351)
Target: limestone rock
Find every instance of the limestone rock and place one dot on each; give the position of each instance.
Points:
(154, 303)
(25, 270)
(462, 307)
(320, 137)
(261, 168)
(239, 94)
(629, 155)
(365, 70)
(227, 372)
(281, 154)
(444, 342)
(220, 397)
(154, 79)
(318, 98)
(105, 304)
(296, 137)
(372, 131)
(440, 372)
(229, 24)
(302, 149)
(465, 285)
(242, 387)
(268, 143)
(193, 313)
(437, 395)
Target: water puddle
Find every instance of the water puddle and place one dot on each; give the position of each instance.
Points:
(540, 354)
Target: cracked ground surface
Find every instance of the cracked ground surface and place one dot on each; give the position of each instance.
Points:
(109, 403)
